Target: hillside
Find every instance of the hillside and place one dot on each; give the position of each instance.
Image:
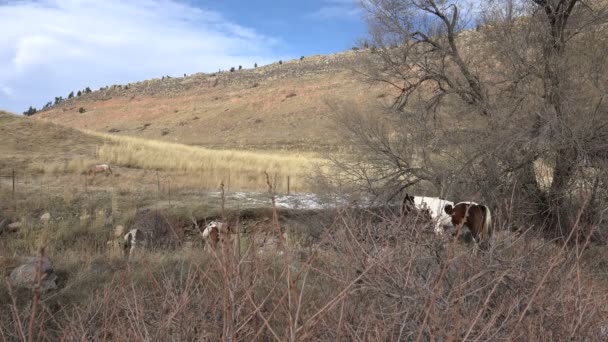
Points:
(25, 142)
(279, 106)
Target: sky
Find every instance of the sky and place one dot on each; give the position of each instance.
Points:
(51, 47)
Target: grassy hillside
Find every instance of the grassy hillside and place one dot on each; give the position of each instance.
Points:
(27, 142)
(280, 106)
(32, 147)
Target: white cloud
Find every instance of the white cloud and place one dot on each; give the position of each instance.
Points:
(337, 9)
(6, 90)
(50, 47)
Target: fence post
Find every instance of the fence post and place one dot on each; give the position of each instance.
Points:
(158, 181)
(13, 182)
(287, 185)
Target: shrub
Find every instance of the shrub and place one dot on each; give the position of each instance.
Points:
(280, 62)
(302, 58)
(31, 111)
(79, 93)
(232, 69)
(87, 90)
(255, 65)
(240, 67)
(71, 95)
(81, 110)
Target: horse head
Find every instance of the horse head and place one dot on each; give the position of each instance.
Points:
(407, 205)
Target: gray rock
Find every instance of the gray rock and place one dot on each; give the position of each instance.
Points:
(25, 274)
(46, 217)
(13, 227)
(119, 230)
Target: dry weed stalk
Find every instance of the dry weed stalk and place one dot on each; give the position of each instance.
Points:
(368, 276)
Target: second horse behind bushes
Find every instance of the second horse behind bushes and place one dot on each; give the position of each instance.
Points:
(476, 217)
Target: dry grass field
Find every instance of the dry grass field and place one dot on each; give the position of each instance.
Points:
(25, 142)
(34, 149)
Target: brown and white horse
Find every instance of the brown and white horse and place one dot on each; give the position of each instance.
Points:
(216, 232)
(430, 208)
(476, 217)
(99, 168)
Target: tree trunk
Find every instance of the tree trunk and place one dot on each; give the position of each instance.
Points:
(557, 221)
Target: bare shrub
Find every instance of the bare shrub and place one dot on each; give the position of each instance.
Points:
(160, 230)
(370, 276)
(513, 109)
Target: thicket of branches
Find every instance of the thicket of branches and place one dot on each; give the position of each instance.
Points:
(512, 109)
(380, 279)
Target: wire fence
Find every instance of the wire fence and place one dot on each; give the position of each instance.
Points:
(22, 182)
(10, 176)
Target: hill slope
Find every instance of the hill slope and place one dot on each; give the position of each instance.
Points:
(25, 142)
(280, 106)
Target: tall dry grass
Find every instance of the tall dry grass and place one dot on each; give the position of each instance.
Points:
(189, 166)
(369, 276)
(160, 155)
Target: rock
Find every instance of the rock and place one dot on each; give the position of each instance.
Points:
(13, 227)
(25, 274)
(46, 217)
(119, 230)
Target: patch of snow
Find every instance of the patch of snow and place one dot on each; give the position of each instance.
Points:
(302, 201)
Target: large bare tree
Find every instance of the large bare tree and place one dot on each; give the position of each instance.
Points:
(504, 99)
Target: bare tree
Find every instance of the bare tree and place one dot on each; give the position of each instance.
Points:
(486, 111)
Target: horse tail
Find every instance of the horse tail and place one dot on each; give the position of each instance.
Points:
(487, 223)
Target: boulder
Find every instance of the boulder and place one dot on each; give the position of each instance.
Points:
(13, 227)
(46, 217)
(24, 275)
(119, 230)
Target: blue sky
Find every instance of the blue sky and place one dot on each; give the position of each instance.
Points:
(51, 47)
